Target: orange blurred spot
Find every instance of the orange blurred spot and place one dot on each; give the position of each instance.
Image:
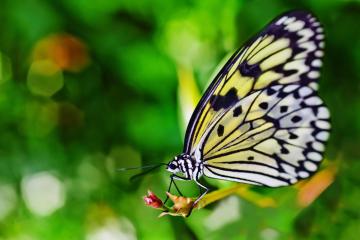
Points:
(312, 189)
(66, 51)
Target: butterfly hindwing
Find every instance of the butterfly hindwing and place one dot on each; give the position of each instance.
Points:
(275, 140)
(287, 51)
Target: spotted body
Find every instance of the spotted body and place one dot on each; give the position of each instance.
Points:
(261, 120)
(186, 164)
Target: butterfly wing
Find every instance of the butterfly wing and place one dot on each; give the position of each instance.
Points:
(286, 53)
(272, 137)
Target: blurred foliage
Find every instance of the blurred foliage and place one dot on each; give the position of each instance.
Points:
(87, 87)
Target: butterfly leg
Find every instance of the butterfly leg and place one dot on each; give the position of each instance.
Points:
(172, 180)
(169, 188)
(199, 198)
(177, 189)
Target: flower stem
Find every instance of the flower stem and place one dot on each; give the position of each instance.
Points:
(240, 190)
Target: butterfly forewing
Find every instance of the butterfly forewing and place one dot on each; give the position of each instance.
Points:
(287, 51)
(261, 121)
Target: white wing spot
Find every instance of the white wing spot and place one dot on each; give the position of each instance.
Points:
(303, 174)
(323, 112)
(316, 63)
(295, 26)
(276, 88)
(319, 53)
(314, 156)
(314, 85)
(290, 88)
(310, 166)
(298, 65)
(320, 37)
(309, 46)
(322, 136)
(313, 101)
(322, 124)
(316, 24)
(281, 20)
(313, 74)
(321, 44)
(293, 180)
(320, 30)
(318, 146)
(289, 20)
(305, 91)
(306, 34)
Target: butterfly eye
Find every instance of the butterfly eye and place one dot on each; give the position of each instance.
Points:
(172, 166)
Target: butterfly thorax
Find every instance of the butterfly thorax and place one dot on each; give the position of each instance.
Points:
(187, 165)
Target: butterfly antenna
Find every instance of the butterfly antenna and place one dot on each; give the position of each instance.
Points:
(141, 167)
(142, 174)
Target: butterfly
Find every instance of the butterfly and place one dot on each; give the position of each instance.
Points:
(261, 121)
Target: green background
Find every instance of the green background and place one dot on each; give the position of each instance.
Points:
(113, 102)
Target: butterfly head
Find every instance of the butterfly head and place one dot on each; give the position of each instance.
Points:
(182, 163)
(173, 166)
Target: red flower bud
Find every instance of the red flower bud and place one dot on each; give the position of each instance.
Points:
(152, 200)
